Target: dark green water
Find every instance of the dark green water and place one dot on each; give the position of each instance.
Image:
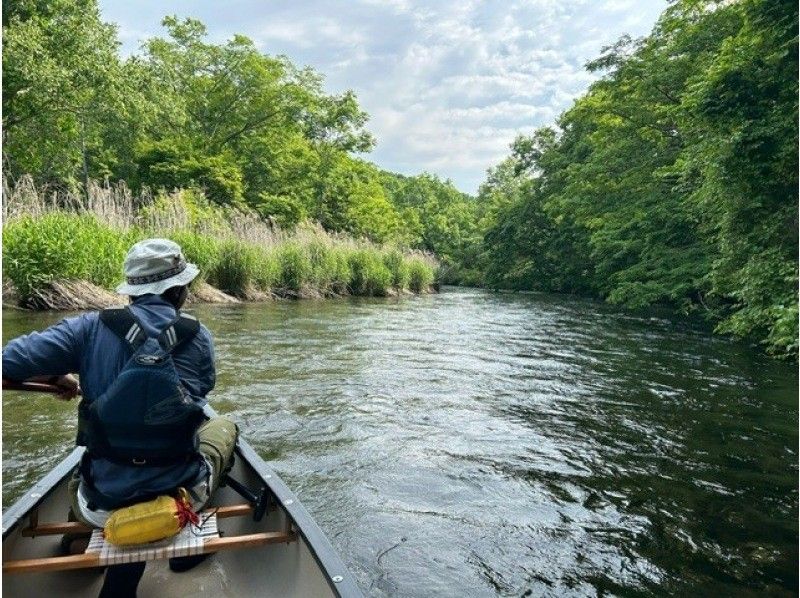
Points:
(471, 444)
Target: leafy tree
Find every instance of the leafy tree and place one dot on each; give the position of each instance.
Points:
(672, 180)
(741, 114)
(352, 200)
(231, 104)
(166, 164)
(61, 82)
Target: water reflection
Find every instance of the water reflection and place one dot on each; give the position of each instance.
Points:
(478, 444)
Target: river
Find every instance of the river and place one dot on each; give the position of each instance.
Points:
(476, 444)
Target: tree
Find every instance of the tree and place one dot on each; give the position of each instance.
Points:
(673, 179)
(62, 83)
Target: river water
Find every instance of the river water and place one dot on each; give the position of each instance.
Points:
(475, 444)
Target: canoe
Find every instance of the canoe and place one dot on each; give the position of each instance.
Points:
(284, 554)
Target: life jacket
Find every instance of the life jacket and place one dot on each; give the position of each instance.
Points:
(146, 417)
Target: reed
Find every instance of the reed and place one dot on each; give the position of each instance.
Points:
(399, 265)
(50, 236)
(62, 246)
(370, 276)
(421, 274)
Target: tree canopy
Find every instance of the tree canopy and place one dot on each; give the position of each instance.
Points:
(250, 130)
(672, 180)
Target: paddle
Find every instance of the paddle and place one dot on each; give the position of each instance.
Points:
(38, 387)
(32, 387)
(120, 580)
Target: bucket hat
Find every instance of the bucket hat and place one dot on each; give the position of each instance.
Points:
(155, 265)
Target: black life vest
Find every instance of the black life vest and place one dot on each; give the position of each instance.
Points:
(146, 417)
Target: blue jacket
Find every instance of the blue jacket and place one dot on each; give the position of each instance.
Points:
(84, 345)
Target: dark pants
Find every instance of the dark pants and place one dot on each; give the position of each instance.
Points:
(121, 581)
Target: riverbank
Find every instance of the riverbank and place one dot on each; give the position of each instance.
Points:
(76, 295)
(65, 252)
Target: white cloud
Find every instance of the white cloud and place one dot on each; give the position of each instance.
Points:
(448, 84)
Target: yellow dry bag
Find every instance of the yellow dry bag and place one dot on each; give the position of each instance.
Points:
(150, 521)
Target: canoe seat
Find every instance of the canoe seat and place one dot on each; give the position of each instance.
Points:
(190, 541)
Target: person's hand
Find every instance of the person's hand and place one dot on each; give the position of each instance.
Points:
(69, 386)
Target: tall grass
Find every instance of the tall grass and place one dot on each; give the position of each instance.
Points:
(421, 274)
(52, 236)
(61, 246)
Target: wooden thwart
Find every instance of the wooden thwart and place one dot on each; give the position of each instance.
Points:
(53, 529)
(89, 560)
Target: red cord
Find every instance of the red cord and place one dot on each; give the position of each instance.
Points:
(185, 513)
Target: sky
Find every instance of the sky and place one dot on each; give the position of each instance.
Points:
(448, 84)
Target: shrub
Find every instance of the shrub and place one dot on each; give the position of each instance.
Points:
(57, 246)
(369, 275)
(295, 266)
(421, 274)
(396, 262)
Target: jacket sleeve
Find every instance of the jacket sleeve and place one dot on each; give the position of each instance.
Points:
(54, 351)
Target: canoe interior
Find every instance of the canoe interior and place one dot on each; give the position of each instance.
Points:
(284, 570)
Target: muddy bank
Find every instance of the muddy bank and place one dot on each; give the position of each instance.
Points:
(77, 295)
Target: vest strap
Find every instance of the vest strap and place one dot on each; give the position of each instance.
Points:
(127, 327)
(124, 324)
(151, 461)
(180, 330)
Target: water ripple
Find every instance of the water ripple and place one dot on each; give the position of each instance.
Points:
(471, 444)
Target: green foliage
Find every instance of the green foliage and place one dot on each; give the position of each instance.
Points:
(221, 121)
(296, 266)
(241, 267)
(61, 84)
(341, 273)
(235, 269)
(353, 201)
(202, 250)
(286, 211)
(268, 270)
(182, 209)
(57, 246)
(167, 166)
(401, 273)
(673, 180)
(369, 275)
(326, 273)
(420, 275)
(435, 216)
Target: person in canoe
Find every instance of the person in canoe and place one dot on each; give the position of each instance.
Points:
(145, 370)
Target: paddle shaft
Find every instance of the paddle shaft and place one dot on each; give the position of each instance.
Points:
(32, 387)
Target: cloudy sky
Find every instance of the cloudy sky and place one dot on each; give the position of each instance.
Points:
(448, 84)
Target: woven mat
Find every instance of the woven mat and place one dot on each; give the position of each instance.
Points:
(189, 541)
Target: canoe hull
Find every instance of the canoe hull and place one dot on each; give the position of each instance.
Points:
(306, 567)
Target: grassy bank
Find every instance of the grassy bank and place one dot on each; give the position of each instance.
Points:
(47, 238)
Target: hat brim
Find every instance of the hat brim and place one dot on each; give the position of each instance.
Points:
(156, 288)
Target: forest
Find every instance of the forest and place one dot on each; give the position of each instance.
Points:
(671, 181)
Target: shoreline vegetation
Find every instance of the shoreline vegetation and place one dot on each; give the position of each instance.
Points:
(671, 181)
(63, 251)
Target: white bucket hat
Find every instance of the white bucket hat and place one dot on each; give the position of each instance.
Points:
(155, 265)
